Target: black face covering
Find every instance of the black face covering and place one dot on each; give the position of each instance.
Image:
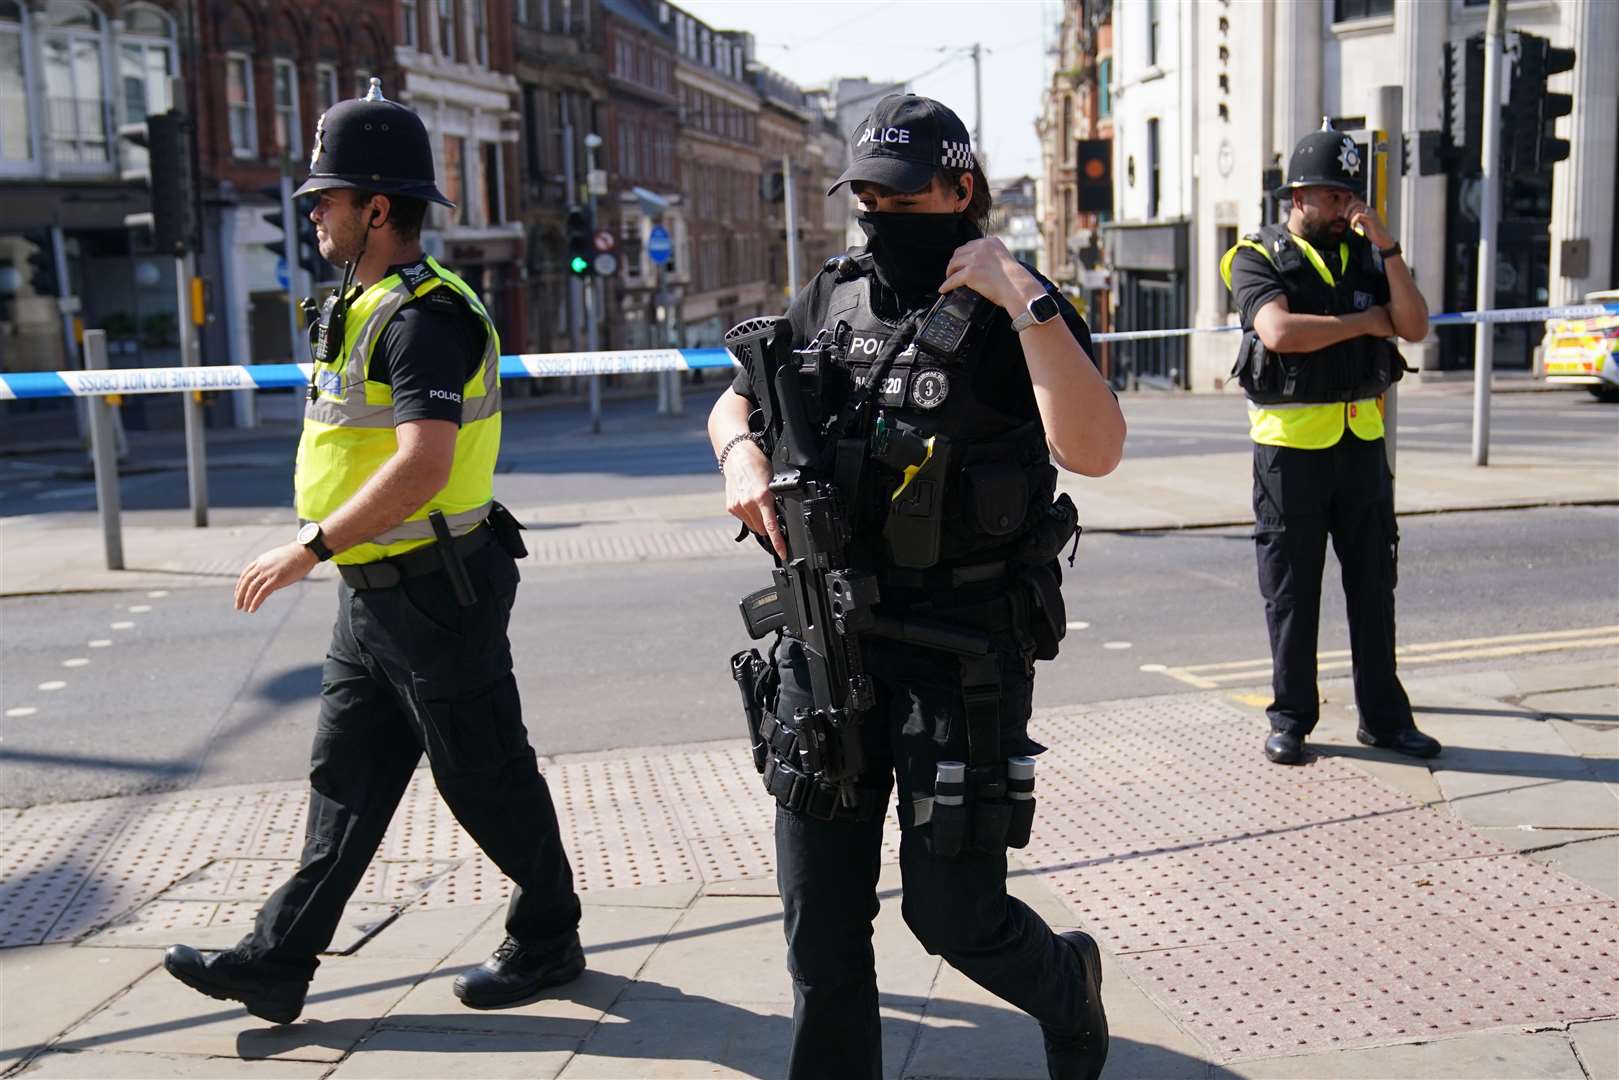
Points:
(912, 251)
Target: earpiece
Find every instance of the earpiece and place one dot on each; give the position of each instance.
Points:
(961, 192)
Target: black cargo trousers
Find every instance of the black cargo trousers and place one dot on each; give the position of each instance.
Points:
(1301, 497)
(957, 906)
(411, 671)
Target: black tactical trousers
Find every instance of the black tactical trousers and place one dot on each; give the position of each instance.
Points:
(957, 907)
(410, 671)
(1300, 498)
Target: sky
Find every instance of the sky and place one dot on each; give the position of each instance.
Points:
(815, 41)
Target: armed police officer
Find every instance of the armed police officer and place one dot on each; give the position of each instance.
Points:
(394, 483)
(891, 441)
(1320, 296)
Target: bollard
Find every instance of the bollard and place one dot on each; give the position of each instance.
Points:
(104, 454)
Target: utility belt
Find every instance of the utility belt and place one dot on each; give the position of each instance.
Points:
(446, 554)
(1354, 370)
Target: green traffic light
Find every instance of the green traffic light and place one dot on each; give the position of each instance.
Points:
(579, 264)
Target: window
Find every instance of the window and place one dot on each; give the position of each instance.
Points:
(520, 11)
(244, 131)
(16, 136)
(325, 86)
(480, 30)
(145, 62)
(288, 134)
(1104, 88)
(362, 82)
(73, 86)
(1153, 191)
(446, 28)
(407, 23)
(1344, 10)
(1227, 241)
(533, 139)
(1066, 106)
(1152, 32)
(493, 187)
(455, 176)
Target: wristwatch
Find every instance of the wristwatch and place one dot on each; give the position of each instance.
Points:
(1042, 309)
(1390, 252)
(309, 536)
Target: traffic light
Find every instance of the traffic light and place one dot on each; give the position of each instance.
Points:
(174, 219)
(307, 244)
(42, 266)
(1093, 169)
(1530, 117)
(581, 253)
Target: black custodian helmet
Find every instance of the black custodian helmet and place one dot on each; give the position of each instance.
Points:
(372, 144)
(1326, 158)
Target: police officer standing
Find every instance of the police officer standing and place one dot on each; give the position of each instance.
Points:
(965, 542)
(393, 482)
(1320, 297)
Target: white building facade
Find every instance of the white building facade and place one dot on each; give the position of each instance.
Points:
(1208, 96)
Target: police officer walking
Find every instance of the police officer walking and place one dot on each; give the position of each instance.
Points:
(393, 482)
(964, 542)
(1320, 297)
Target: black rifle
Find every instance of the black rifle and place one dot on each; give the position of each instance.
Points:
(816, 597)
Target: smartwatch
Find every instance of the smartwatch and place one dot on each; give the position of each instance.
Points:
(309, 536)
(1042, 309)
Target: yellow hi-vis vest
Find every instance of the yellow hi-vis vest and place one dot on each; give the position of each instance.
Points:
(1307, 427)
(349, 427)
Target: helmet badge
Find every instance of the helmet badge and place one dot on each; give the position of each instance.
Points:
(1349, 157)
(320, 133)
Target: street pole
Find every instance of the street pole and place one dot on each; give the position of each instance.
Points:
(104, 455)
(1385, 119)
(1489, 213)
(570, 179)
(190, 403)
(978, 100)
(593, 293)
(290, 228)
(791, 211)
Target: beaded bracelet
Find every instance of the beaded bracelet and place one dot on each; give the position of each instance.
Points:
(746, 436)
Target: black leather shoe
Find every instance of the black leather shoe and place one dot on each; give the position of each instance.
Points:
(1080, 1057)
(516, 973)
(1408, 741)
(228, 977)
(1285, 748)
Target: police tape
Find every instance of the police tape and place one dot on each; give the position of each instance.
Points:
(222, 377)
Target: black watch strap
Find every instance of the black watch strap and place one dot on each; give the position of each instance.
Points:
(310, 537)
(1390, 252)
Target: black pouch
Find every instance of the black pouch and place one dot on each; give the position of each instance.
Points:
(757, 680)
(916, 514)
(1048, 621)
(508, 531)
(1254, 369)
(995, 496)
(989, 809)
(1048, 536)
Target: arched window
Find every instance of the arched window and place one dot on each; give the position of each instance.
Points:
(75, 97)
(146, 61)
(16, 136)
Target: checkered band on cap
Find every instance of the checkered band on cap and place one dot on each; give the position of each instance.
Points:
(955, 155)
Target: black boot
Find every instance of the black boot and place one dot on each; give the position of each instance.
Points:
(1408, 741)
(1285, 748)
(228, 976)
(1079, 1056)
(516, 973)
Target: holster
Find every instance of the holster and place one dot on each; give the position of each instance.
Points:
(757, 680)
(508, 531)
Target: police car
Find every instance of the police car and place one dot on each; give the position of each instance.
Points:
(1585, 352)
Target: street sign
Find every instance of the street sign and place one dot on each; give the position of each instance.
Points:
(281, 278)
(658, 246)
(596, 181)
(604, 241)
(605, 264)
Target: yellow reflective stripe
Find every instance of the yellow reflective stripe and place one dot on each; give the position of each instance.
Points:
(460, 524)
(1313, 257)
(1225, 260)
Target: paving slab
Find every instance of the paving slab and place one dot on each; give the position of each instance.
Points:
(429, 935)
(1598, 704)
(617, 942)
(431, 1055)
(1504, 1055)
(653, 1039)
(160, 1015)
(1570, 675)
(1497, 800)
(677, 895)
(46, 989)
(123, 1065)
(1594, 862)
(1597, 1043)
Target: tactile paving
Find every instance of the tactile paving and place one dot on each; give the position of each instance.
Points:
(1270, 911)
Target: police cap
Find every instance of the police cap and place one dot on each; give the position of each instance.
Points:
(903, 142)
(373, 144)
(1326, 158)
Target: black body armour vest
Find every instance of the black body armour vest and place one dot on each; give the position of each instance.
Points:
(989, 486)
(1354, 370)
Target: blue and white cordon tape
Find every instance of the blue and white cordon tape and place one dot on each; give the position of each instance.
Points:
(169, 380)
